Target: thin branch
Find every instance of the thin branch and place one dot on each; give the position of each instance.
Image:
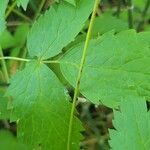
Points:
(118, 8)
(147, 5)
(28, 60)
(39, 9)
(51, 62)
(4, 68)
(16, 23)
(14, 58)
(80, 74)
(10, 9)
(24, 54)
(21, 15)
(3, 63)
(130, 13)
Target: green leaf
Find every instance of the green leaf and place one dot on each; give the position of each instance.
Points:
(47, 125)
(3, 6)
(80, 38)
(116, 66)
(73, 2)
(132, 126)
(139, 3)
(23, 3)
(19, 38)
(21, 34)
(7, 40)
(57, 28)
(106, 22)
(43, 108)
(4, 112)
(7, 141)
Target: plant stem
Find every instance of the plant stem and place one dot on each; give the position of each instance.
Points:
(33, 6)
(21, 15)
(16, 23)
(6, 76)
(4, 68)
(130, 14)
(147, 5)
(28, 60)
(118, 8)
(24, 54)
(80, 74)
(14, 58)
(3, 63)
(51, 62)
(39, 9)
(10, 9)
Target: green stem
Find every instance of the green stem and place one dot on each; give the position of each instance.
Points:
(28, 60)
(4, 68)
(119, 8)
(80, 74)
(10, 9)
(147, 5)
(33, 6)
(23, 56)
(39, 9)
(6, 76)
(3, 63)
(51, 62)
(16, 23)
(21, 15)
(130, 14)
(42, 61)
(14, 58)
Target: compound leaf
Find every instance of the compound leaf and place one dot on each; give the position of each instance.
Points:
(57, 27)
(116, 66)
(42, 107)
(132, 126)
(3, 5)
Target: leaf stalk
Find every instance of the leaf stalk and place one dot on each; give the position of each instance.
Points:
(80, 74)
(130, 14)
(143, 16)
(10, 9)
(4, 68)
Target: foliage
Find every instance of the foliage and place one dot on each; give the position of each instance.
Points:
(132, 126)
(109, 63)
(59, 27)
(7, 141)
(2, 15)
(50, 56)
(73, 2)
(23, 3)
